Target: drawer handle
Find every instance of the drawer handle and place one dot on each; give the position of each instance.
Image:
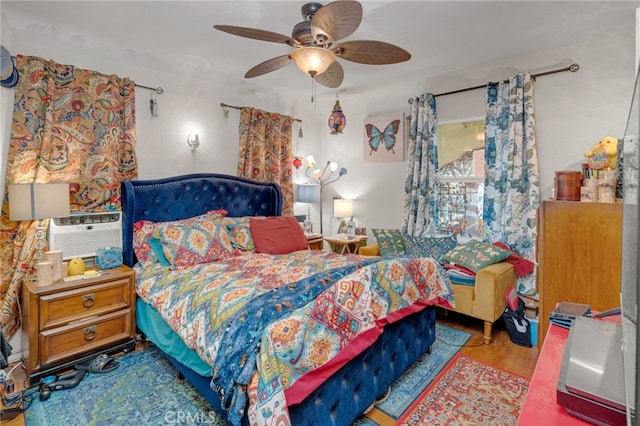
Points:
(90, 333)
(88, 300)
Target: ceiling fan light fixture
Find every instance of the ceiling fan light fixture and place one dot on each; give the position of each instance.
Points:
(313, 60)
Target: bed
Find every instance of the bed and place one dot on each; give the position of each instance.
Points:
(281, 390)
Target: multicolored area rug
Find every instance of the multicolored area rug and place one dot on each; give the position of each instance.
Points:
(143, 390)
(408, 387)
(469, 392)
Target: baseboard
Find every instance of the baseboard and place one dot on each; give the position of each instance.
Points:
(16, 347)
(15, 357)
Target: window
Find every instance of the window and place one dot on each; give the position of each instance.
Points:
(461, 177)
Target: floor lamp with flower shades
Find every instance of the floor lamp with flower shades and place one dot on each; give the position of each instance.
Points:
(38, 201)
(328, 175)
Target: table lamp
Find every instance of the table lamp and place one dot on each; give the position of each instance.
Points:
(37, 201)
(343, 209)
(308, 193)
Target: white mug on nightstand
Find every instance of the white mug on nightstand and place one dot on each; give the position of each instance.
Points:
(55, 257)
(44, 271)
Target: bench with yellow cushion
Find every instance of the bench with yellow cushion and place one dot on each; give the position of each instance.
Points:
(485, 300)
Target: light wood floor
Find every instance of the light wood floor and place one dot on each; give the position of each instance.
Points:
(501, 353)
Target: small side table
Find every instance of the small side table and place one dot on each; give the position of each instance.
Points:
(316, 241)
(346, 244)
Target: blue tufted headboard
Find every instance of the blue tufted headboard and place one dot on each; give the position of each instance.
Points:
(180, 197)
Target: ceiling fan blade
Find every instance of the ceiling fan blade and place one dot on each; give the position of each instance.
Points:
(336, 21)
(257, 34)
(268, 66)
(371, 52)
(332, 77)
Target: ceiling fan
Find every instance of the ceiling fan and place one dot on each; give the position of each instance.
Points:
(312, 41)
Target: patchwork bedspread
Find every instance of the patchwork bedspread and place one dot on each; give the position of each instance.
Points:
(273, 326)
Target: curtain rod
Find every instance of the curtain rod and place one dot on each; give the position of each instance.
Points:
(159, 90)
(223, 105)
(571, 68)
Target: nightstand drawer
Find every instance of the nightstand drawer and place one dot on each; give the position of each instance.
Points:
(60, 308)
(68, 342)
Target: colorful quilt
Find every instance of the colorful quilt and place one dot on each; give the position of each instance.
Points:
(272, 326)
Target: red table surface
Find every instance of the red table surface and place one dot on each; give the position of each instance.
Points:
(540, 406)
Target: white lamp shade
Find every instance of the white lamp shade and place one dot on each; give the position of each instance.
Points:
(308, 193)
(38, 201)
(313, 60)
(342, 208)
(311, 161)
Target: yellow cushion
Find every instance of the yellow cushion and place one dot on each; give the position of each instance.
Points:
(370, 250)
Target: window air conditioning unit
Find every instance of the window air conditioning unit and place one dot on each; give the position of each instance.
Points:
(81, 234)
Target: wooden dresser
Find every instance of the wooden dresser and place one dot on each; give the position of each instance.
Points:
(579, 256)
(66, 323)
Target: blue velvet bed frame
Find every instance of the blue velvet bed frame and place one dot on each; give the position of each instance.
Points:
(349, 392)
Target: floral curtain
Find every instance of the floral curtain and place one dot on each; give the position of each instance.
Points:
(421, 186)
(512, 184)
(265, 152)
(69, 125)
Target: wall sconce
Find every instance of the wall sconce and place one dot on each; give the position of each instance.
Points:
(193, 140)
(37, 201)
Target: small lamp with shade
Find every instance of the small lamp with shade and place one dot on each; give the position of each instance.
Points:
(343, 209)
(38, 201)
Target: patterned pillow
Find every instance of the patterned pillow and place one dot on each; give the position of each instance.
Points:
(200, 242)
(434, 246)
(475, 255)
(240, 232)
(389, 241)
(144, 230)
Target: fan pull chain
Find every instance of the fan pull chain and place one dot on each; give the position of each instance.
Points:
(313, 90)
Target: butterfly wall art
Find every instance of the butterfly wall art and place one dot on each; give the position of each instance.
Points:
(384, 138)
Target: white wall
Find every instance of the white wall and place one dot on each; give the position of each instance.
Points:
(573, 110)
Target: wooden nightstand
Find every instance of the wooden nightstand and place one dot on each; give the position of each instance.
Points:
(346, 244)
(316, 241)
(70, 322)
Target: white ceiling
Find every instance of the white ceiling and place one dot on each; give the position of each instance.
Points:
(442, 36)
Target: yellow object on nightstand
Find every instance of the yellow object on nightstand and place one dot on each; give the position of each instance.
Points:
(76, 266)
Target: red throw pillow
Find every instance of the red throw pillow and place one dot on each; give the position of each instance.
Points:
(277, 234)
(522, 266)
